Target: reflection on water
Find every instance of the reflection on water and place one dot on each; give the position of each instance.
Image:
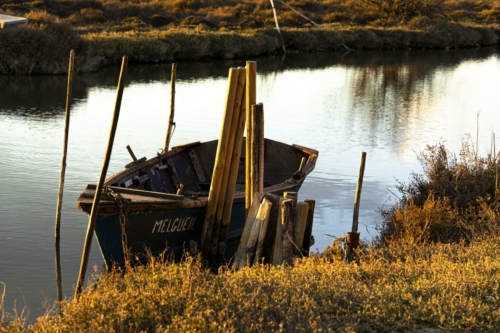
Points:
(389, 104)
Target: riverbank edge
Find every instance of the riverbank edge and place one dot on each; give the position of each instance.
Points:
(44, 48)
(182, 44)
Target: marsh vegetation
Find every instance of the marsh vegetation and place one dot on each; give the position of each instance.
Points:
(102, 31)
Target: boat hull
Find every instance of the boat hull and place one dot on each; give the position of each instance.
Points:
(140, 211)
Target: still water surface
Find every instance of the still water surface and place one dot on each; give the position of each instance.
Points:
(388, 104)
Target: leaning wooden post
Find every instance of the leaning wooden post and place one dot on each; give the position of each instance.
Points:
(100, 184)
(352, 239)
(57, 230)
(172, 107)
(65, 144)
(358, 193)
(251, 99)
(214, 194)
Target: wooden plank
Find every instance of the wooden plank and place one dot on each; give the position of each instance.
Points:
(277, 256)
(300, 226)
(240, 256)
(153, 194)
(306, 245)
(198, 167)
(274, 219)
(263, 215)
(9, 21)
(287, 217)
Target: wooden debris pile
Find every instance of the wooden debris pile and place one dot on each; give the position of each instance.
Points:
(277, 229)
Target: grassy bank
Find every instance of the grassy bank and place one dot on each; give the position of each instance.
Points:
(435, 267)
(410, 288)
(102, 31)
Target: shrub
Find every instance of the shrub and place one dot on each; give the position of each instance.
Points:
(454, 199)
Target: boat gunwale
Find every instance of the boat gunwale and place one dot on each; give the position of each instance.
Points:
(109, 207)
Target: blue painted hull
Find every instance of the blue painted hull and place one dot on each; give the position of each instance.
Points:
(157, 232)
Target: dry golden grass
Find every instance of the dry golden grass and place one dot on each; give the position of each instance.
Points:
(410, 288)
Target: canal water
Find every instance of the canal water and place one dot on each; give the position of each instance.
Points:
(390, 105)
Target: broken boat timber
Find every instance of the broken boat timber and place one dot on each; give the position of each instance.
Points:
(139, 204)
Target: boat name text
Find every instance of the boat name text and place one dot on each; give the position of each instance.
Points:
(174, 225)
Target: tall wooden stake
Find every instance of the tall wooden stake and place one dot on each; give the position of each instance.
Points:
(57, 231)
(251, 98)
(172, 107)
(358, 193)
(214, 194)
(65, 144)
(100, 184)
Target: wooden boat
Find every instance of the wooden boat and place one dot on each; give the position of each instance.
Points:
(139, 206)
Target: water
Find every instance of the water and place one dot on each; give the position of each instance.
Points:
(388, 104)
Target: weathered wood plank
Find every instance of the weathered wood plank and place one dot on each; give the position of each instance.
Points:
(240, 257)
(300, 226)
(9, 21)
(263, 215)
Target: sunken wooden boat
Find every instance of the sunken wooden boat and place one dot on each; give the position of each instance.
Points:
(139, 207)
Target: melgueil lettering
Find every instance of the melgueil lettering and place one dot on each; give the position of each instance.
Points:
(174, 225)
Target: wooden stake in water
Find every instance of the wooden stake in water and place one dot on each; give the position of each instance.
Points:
(357, 198)
(172, 107)
(57, 230)
(100, 184)
(65, 144)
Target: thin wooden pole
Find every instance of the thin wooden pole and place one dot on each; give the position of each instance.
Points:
(57, 231)
(58, 274)
(278, 26)
(214, 194)
(100, 184)
(65, 144)
(172, 107)
(358, 193)
(251, 99)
